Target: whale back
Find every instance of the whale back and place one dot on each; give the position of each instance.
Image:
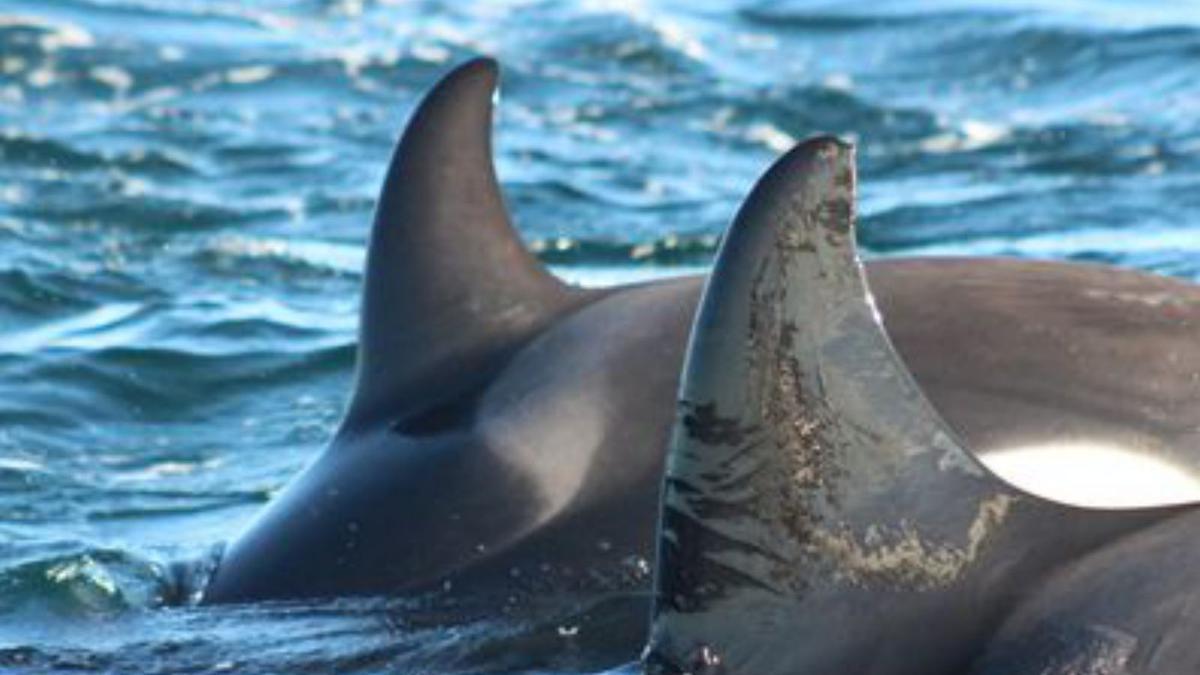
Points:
(507, 432)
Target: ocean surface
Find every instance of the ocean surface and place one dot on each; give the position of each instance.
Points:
(186, 186)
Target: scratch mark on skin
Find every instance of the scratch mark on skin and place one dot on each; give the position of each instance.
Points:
(791, 481)
(796, 493)
(1163, 299)
(704, 424)
(906, 559)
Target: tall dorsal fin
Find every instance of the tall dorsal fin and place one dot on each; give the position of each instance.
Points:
(818, 515)
(448, 280)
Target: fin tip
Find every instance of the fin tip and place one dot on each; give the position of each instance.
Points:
(482, 69)
(818, 148)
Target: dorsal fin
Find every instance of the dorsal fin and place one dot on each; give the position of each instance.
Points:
(818, 515)
(448, 280)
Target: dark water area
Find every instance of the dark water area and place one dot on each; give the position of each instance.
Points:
(185, 189)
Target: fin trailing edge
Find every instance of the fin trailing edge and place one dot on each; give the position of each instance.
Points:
(447, 275)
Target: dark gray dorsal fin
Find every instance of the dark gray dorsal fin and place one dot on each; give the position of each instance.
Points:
(448, 279)
(818, 515)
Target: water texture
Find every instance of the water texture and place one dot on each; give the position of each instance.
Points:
(185, 188)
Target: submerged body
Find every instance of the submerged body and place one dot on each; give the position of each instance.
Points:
(508, 432)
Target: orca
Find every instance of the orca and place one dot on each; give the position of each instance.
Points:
(510, 433)
(820, 515)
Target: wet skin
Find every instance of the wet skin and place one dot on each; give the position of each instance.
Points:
(509, 433)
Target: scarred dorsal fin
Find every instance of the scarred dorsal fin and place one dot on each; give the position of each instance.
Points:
(818, 515)
(449, 284)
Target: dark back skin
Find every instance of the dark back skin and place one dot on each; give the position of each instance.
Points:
(509, 432)
(1128, 608)
(569, 435)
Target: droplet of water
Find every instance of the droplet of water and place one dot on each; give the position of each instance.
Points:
(638, 566)
(705, 661)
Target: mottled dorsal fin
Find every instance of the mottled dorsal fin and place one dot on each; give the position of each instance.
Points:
(449, 283)
(818, 515)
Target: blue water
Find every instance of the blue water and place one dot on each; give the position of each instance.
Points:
(185, 188)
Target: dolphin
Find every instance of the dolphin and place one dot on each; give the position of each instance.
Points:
(509, 433)
(821, 515)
